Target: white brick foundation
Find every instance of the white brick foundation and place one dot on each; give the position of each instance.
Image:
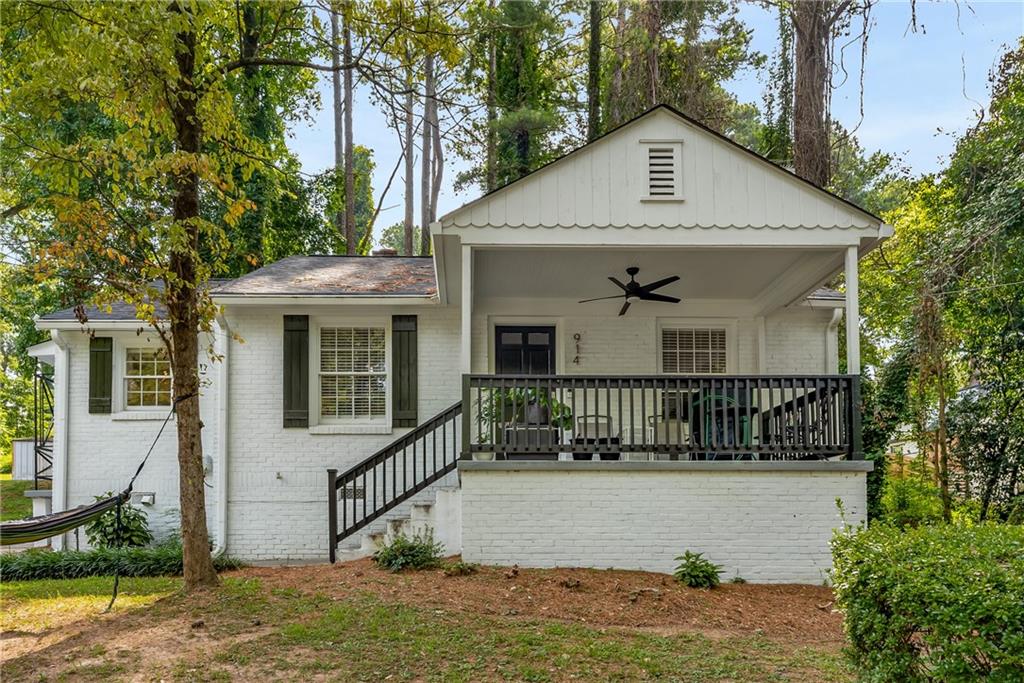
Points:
(767, 522)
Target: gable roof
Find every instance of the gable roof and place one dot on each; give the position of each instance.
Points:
(601, 169)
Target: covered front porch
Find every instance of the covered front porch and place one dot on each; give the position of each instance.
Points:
(736, 358)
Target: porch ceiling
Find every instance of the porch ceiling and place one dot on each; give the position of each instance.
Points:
(706, 274)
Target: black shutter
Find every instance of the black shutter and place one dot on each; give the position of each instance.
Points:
(296, 371)
(101, 373)
(404, 370)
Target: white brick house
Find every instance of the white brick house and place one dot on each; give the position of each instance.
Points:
(718, 423)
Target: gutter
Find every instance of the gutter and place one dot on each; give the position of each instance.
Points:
(221, 471)
(61, 390)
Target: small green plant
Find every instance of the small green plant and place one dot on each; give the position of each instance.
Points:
(737, 579)
(696, 571)
(418, 552)
(134, 532)
(461, 568)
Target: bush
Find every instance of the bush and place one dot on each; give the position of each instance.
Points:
(461, 568)
(935, 603)
(134, 533)
(696, 571)
(162, 560)
(418, 552)
(910, 501)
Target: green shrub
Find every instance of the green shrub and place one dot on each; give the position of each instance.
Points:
(134, 532)
(418, 552)
(162, 560)
(461, 568)
(935, 603)
(6, 464)
(910, 501)
(696, 571)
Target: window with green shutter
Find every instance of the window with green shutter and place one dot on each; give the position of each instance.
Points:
(296, 371)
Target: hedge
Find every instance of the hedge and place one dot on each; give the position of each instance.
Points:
(161, 560)
(935, 603)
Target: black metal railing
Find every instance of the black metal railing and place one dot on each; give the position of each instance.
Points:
(392, 475)
(682, 417)
(42, 428)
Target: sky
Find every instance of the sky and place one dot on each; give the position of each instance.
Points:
(921, 89)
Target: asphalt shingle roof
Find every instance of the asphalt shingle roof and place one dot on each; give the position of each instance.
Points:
(338, 276)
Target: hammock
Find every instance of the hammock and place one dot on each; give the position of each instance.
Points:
(38, 528)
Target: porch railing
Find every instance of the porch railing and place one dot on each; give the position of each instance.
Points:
(42, 428)
(764, 417)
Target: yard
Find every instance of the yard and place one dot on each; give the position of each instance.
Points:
(357, 622)
(13, 503)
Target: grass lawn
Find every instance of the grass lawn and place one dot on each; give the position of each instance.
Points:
(295, 627)
(13, 503)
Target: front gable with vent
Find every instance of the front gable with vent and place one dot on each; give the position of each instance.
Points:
(661, 179)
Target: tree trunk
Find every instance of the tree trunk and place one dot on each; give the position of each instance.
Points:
(811, 153)
(427, 169)
(183, 315)
(491, 172)
(942, 446)
(350, 171)
(652, 20)
(435, 135)
(410, 198)
(615, 97)
(594, 72)
(339, 130)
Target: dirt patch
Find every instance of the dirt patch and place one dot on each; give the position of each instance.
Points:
(599, 598)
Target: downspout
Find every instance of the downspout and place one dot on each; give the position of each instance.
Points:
(61, 384)
(832, 342)
(224, 342)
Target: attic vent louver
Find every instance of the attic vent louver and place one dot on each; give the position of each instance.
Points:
(663, 169)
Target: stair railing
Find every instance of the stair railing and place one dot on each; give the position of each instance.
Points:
(392, 475)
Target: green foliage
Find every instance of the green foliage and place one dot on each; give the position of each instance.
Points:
(461, 568)
(696, 571)
(134, 531)
(162, 560)
(936, 603)
(418, 552)
(911, 500)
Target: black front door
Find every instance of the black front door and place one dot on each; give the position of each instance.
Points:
(524, 350)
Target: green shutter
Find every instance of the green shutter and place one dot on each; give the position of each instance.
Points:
(404, 371)
(101, 373)
(296, 371)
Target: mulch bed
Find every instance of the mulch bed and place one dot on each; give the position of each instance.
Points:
(597, 598)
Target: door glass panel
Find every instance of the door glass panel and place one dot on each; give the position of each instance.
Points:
(511, 338)
(537, 338)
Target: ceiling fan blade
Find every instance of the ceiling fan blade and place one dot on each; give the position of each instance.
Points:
(660, 283)
(621, 286)
(647, 296)
(625, 307)
(601, 298)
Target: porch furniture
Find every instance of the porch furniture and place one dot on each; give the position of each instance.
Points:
(532, 441)
(721, 421)
(595, 433)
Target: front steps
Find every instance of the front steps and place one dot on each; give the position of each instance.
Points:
(441, 517)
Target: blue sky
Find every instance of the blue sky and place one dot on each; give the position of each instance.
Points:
(921, 89)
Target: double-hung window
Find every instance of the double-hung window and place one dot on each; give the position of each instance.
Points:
(147, 378)
(353, 374)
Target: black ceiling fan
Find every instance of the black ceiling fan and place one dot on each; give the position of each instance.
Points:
(633, 290)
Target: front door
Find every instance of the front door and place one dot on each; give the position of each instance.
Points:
(524, 350)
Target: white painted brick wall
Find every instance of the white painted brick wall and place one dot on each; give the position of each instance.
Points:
(277, 487)
(768, 527)
(103, 451)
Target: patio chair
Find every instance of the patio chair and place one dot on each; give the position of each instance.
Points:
(596, 431)
(720, 420)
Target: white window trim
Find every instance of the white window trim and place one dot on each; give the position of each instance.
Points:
(121, 412)
(727, 324)
(677, 145)
(361, 426)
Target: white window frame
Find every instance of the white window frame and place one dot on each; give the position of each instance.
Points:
(728, 325)
(119, 399)
(645, 147)
(375, 425)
